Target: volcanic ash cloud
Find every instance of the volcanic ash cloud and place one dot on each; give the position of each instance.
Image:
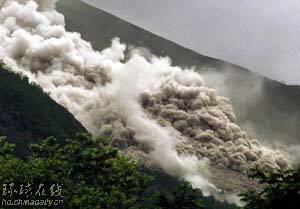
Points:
(150, 109)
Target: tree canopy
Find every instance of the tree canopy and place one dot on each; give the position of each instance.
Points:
(183, 197)
(281, 189)
(92, 175)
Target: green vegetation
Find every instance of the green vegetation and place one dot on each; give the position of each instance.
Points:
(28, 115)
(95, 175)
(281, 190)
(171, 188)
(92, 175)
(184, 197)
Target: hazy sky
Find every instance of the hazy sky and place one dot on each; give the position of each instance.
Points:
(262, 35)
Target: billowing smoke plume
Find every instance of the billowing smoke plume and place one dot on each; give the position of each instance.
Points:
(158, 113)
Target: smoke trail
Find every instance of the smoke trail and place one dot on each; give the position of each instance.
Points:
(156, 112)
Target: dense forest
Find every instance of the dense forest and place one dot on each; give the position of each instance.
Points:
(27, 114)
(92, 174)
(95, 175)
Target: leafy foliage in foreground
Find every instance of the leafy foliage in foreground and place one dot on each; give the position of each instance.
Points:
(167, 187)
(281, 190)
(183, 197)
(93, 174)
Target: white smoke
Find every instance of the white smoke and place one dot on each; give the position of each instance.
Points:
(150, 109)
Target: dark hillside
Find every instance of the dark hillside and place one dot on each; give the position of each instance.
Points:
(99, 27)
(27, 114)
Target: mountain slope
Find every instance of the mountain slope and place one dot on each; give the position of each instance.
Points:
(28, 115)
(267, 109)
(100, 27)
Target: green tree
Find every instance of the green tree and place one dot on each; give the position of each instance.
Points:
(281, 189)
(93, 174)
(183, 197)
